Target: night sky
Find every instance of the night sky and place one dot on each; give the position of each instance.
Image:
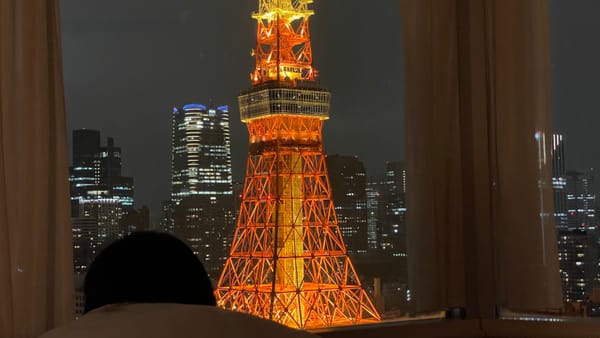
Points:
(128, 62)
(575, 29)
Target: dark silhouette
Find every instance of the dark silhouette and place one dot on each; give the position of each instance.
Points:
(147, 267)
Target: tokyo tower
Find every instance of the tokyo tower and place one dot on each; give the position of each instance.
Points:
(288, 261)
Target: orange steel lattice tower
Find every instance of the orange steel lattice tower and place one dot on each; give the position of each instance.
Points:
(288, 261)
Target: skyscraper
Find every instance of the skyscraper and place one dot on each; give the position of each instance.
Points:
(107, 174)
(559, 181)
(201, 181)
(100, 196)
(392, 235)
(373, 215)
(85, 242)
(86, 143)
(201, 152)
(388, 259)
(575, 262)
(288, 261)
(96, 171)
(348, 179)
(167, 220)
(109, 214)
(581, 200)
(579, 251)
(576, 227)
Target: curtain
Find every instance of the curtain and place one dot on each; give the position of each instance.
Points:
(36, 271)
(480, 227)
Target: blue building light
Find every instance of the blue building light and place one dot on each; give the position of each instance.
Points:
(224, 108)
(194, 106)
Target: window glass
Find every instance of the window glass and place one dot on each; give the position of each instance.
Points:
(158, 143)
(575, 159)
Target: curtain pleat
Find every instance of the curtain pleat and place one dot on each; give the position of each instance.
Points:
(480, 228)
(36, 272)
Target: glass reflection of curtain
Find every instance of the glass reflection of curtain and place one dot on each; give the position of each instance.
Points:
(36, 278)
(478, 90)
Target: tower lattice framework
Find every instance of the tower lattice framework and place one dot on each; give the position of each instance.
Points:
(288, 261)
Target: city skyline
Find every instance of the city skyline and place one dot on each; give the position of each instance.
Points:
(165, 48)
(300, 167)
(156, 56)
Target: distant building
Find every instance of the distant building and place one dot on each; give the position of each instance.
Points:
(386, 264)
(201, 182)
(96, 171)
(348, 179)
(392, 234)
(203, 223)
(373, 215)
(579, 252)
(85, 241)
(109, 214)
(100, 196)
(107, 174)
(576, 227)
(575, 257)
(581, 213)
(201, 152)
(167, 219)
(559, 181)
(86, 144)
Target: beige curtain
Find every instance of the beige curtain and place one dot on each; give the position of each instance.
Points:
(36, 281)
(480, 230)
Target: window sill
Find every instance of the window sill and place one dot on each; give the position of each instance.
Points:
(470, 328)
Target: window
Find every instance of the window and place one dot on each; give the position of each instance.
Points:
(474, 192)
(574, 159)
(140, 66)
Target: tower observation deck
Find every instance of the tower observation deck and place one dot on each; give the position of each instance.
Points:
(288, 261)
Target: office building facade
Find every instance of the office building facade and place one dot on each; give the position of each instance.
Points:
(201, 203)
(101, 196)
(348, 180)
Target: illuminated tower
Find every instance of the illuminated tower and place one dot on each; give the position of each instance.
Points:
(288, 262)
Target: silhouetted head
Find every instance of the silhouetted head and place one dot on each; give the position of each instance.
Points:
(147, 267)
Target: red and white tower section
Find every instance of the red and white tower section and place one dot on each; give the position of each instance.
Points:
(288, 261)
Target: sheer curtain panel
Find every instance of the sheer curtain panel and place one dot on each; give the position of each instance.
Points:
(480, 226)
(36, 278)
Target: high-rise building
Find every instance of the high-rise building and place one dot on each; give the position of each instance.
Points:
(201, 182)
(581, 213)
(559, 181)
(392, 234)
(86, 144)
(100, 195)
(201, 152)
(167, 220)
(109, 214)
(107, 174)
(85, 241)
(582, 238)
(388, 260)
(348, 180)
(575, 257)
(576, 227)
(373, 215)
(288, 261)
(96, 171)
